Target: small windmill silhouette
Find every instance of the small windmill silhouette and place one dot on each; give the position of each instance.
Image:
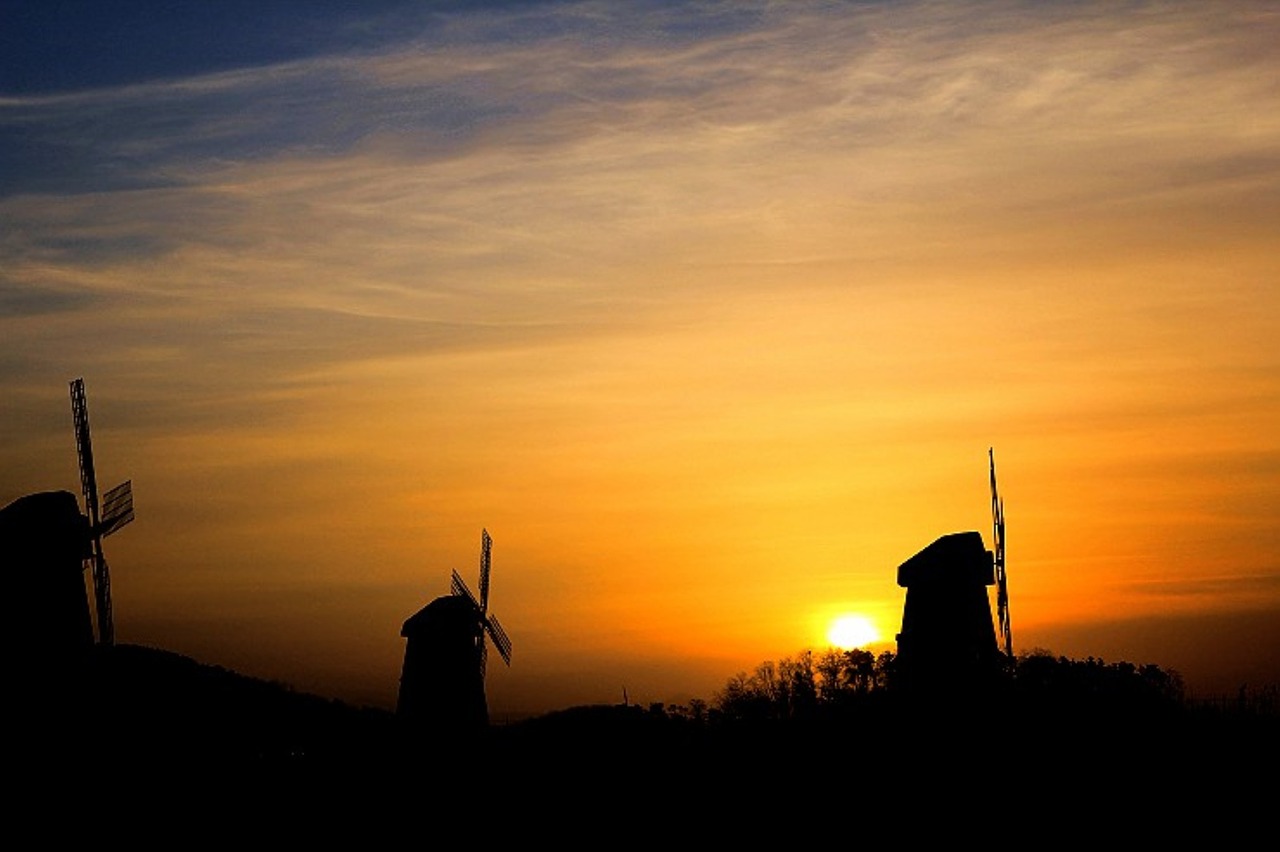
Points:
(442, 681)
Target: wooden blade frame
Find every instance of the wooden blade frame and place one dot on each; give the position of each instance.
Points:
(117, 508)
(499, 637)
(458, 587)
(487, 623)
(486, 554)
(89, 485)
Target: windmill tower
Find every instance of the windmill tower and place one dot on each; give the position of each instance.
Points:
(47, 631)
(442, 681)
(105, 517)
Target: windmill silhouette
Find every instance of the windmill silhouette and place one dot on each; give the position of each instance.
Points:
(442, 681)
(114, 511)
(948, 640)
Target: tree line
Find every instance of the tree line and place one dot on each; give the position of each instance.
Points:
(834, 683)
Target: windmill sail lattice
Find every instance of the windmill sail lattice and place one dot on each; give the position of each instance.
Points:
(487, 623)
(105, 517)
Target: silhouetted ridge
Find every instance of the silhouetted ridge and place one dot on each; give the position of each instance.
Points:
(162, 723)
(137, 707)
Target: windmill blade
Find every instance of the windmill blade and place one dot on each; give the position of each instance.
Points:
(102, 592)
(117, 508)
(1002, 578)
(84, 450)
(1002, 582)
(486, 549)
(89, 485)
(995, 497)
(499, 637)
(458, 587)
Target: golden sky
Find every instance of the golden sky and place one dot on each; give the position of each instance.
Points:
(709, 315)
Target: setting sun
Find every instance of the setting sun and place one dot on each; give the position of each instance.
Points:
(852, 631)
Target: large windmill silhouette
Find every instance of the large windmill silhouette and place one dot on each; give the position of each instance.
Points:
(46, 547)
(105, 517)
(442, 681)
(948, 641)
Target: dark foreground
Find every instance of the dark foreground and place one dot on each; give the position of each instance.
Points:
(154, 739)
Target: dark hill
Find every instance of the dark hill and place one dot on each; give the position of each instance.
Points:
(133, 706)
(160, 726)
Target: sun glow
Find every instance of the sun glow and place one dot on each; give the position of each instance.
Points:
(852, 631)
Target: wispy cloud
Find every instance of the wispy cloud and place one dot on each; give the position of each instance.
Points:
(511, 167)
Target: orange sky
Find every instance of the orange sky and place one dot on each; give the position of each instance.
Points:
(710, 321)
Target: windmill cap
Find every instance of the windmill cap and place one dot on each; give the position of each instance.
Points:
(956, 559)
(447, 614)
(46, 522)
